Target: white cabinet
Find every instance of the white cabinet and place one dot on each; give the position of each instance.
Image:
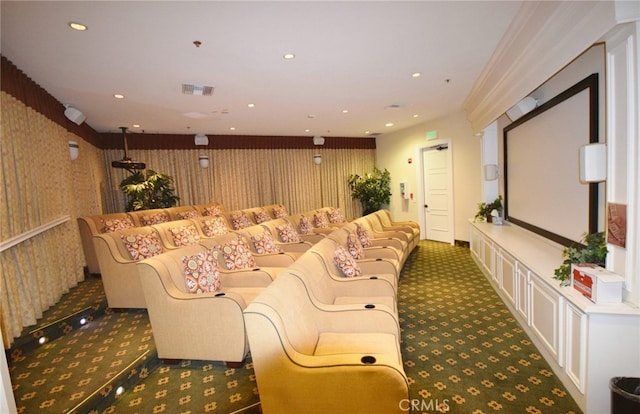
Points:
(586, 344)
(546, 315)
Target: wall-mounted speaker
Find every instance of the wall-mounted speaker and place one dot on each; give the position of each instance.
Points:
(593, 163)
(74, 115)
(525, 106)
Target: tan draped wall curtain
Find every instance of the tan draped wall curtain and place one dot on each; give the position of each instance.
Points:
(245, 178)
(41, 185)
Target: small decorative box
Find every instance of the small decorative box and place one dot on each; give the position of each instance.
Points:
(596, 283)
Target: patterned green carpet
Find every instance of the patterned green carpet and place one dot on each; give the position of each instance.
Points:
(463, 353)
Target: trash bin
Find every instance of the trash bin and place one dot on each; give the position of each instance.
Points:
(625, 395)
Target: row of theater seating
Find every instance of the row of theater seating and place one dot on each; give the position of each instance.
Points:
(91, 226)
(319, 303)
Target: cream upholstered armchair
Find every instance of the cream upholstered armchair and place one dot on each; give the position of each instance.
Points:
(262, 242)
(284, 231)
(150, 217)
(91, 226)
(305, 228)
(235, 257)
(380, 222)
(351, 241)
(212, 226)
(210, 209)
(395, 238)
(177, 234)
(336, 261)
(372, 248)
(118, 252)
(183, 212)
(195, 311)
(322, 287)
(305, 357)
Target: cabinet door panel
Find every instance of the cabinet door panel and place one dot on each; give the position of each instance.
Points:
(508, 276)
(546, 314)
(522, 292)
(576, 339)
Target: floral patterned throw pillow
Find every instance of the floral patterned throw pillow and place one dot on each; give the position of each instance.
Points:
(363, 235)
(305, 225)
(212, 210)
(265, 244)
(261, 216)
(240, 220)
(111, 225)
(288, 234)
(346, 263)
(201, 272)
(184, 235)
(335, 216)
(236, 255)
(214, 226)
(152, 219)
(141, 246)
(354, 246)
(320, 220)
(185, 215)
(280, 212)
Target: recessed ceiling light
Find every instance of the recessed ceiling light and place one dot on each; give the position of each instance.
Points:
(289, 56)
(136, 125)
(232, 128)
(307, 130)
(345, 111)
(251, 105)
(118, 96)
(311, 116)
(416, 116)
(416, 74)
(389, 124)
(77, 26)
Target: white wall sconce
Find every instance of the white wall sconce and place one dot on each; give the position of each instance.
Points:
(204, 161)
(593, 163)
(317, 159)
(74, 115)
(318, 140)
(490, 172)
(74, 150)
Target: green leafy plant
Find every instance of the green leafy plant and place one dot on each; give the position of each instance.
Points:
(148, 190)
(593, 250)
(373, 189)
(485, 209)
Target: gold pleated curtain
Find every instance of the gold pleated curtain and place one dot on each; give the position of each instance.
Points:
(245, 178)
(40, 185)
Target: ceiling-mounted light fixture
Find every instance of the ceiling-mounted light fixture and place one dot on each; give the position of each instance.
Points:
(126, 162)
(74, 115)
(201, 139)
(318, 140)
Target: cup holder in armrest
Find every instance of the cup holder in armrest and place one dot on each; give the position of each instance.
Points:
(369, 306)
(373, 277)
(255, 269)
(219, 294)
(378, 259)
(368, 360)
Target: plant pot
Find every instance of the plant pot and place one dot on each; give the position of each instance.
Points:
(489, 219)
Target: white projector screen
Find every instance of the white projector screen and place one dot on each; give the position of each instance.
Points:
(543, 192)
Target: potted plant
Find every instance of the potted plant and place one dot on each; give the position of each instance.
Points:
(373, 189)
(148, 190)
(593, 250)
(485, 209)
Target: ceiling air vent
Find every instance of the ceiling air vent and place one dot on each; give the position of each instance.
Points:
(200, 90)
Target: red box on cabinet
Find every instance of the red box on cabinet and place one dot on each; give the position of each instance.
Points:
(596, 283)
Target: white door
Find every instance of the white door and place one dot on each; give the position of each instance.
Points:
(438, 208)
